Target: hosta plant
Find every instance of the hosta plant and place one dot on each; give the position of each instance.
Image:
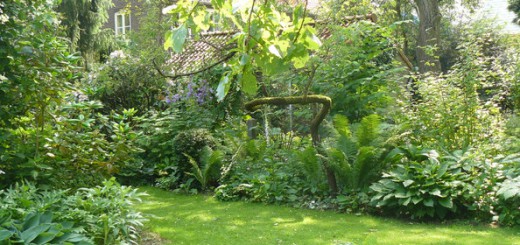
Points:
(39, 228)
(422, 184)
(509, 202)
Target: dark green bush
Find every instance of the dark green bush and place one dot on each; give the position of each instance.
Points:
(126, 82)
(158, 132)
(424, 184)
(191, 143)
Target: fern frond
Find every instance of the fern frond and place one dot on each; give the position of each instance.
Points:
(310, 162)
(368, 130)
(367, 167)
(196, 172)
(341, 124)
(348, 147)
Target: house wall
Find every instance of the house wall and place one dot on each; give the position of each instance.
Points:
(120, 5)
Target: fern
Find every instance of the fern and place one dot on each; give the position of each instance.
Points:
(366, 167)
(204, 173)
(311, 164)
(348, 147)
(341, 124)
(368, 130)
(355, 159)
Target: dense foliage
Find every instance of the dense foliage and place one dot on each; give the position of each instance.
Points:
(395, 142)
(98, 215)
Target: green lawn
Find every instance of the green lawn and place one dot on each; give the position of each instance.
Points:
(181, 219)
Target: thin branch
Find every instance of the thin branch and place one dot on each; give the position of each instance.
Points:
(311, 79)
(249, 18)
(173, 77)
(303, 21)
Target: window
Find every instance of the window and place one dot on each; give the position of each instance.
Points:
(122, 23)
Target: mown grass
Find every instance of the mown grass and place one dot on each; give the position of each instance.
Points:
(181, 219)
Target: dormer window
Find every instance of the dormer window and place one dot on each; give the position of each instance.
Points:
(122, 23)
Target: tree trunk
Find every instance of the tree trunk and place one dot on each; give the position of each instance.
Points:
(429, 35)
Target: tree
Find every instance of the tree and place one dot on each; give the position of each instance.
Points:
(428, 40)
(266, 41)
(83, 21)
(427, 36)
(514, 5)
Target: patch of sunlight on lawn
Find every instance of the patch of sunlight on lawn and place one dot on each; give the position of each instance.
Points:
(199, 219)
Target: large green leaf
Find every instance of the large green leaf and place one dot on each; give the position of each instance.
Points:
(407, 183)
(4, 234)
(300, 61)
(45, 237)
(223, 87)
(30, 234)
(46, 217)
(428, 202)
(446, 202)
(249, 83)
(31, 220)
(312, 41)
(176, 38)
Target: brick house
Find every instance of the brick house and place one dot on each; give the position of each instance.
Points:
(123, 16)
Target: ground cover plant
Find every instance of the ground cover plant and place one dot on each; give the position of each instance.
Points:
(98, 215)
(200, 219)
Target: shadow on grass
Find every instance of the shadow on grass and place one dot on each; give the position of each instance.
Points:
(202, 220)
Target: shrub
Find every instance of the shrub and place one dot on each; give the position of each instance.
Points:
(190, 142)
(422, 184)
(158, 132)
(86, 146)
(356, 60)
(126, 82)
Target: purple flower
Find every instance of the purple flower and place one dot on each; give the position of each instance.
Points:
(176, 97)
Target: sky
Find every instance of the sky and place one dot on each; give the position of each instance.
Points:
(498, 9)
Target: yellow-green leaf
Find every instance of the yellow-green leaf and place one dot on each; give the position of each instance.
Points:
(223, 87)
(249, 83)
(300, 61)
(312, 42)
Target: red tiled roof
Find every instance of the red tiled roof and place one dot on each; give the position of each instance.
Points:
(197, 54)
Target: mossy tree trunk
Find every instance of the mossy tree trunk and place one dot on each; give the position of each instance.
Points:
(326, 103)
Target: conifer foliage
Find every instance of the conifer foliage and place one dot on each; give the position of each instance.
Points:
(83, 20)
